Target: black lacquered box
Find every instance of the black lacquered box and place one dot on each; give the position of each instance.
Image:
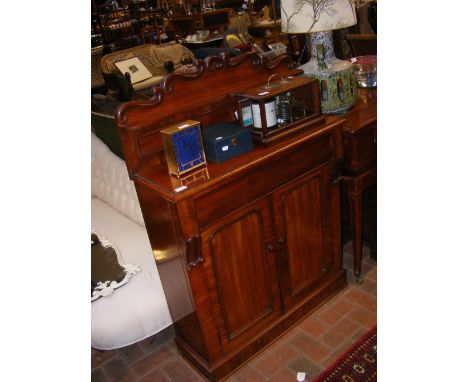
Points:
(224, 140)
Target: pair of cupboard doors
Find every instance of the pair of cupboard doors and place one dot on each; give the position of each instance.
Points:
(268, 256)
(268, 241)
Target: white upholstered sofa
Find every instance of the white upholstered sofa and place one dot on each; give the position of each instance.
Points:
(138, 309)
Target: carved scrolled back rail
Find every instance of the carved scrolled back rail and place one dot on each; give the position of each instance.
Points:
(122, 116)
(213, 63)
(203, 95)
(277, 61)
(197, 69)
(252, 56)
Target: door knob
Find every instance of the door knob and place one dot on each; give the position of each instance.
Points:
(282, 246)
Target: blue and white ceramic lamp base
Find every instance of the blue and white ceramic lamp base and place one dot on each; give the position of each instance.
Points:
(337, 79)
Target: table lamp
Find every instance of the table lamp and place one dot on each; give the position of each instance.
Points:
(319, 17)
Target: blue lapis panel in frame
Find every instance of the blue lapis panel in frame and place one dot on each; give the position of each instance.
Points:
(188, 148)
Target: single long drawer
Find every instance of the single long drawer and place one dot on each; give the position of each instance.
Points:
(261, 181)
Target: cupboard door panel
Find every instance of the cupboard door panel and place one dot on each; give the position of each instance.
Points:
(246, 294)
(302, 208)
(302, 223)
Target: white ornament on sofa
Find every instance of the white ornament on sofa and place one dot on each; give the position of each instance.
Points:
(106, 288)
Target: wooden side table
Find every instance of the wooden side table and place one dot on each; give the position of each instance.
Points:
(354, 187)
(359, 168)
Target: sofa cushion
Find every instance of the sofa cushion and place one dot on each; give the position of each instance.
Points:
(110, 181)
(171, 51)
(139, 309)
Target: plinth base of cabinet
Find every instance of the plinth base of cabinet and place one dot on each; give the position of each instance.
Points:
(228, 363)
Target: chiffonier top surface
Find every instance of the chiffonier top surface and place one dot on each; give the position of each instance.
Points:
(213, 174)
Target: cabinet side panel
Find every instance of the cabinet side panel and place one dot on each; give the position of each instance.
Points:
(304, 231)
(164, 235)
(164, 231)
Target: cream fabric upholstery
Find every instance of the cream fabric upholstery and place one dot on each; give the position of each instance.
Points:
(110, 181)
(138, 309)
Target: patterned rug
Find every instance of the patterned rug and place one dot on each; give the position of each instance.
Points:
(358, 364)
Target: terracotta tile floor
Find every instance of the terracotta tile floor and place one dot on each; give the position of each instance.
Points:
(310, 346)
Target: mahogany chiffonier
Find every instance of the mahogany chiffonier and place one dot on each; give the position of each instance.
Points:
(247, 247)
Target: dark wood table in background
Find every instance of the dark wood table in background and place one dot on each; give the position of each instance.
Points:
(359, 167)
